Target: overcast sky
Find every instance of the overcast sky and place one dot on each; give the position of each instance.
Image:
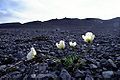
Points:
(31, 10)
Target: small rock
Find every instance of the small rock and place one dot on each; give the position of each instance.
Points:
(43, 67)
(118, 58)
(93, 66)
(15, 74)
(91, 61)
(118, 73)
(98, 76)
(105, 55)
(112, 63)
(52, 76)
(64, 75)
(107, 74)
(104, 68)
(52, 53)
(51, 63)
(2, 67)
(89, 77)
(33, 75)
(98, 64)
(44, 51)
(79, 73)
(104, 63)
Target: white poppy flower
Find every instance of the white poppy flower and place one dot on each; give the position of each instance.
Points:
(31, 54)
(61, 44)
(88, 37)
(72, 44)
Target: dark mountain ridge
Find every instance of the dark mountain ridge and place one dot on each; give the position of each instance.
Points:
(115, 22)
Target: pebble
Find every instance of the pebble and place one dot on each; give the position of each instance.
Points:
(64, 75)
(52, 76)
(2, 67)
(79, 73)
(107, 74)
(89, 77)
(43, 67)
(93, 66)
(112, 63)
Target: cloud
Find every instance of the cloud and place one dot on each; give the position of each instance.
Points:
(29, 10)
(8, 10)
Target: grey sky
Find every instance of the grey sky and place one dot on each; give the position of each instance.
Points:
(30, 10)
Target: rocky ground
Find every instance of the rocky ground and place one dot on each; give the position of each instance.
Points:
(102, 61)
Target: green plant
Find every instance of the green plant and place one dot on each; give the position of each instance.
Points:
(69, 60)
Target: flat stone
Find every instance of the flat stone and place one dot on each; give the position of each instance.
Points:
(107, 74)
